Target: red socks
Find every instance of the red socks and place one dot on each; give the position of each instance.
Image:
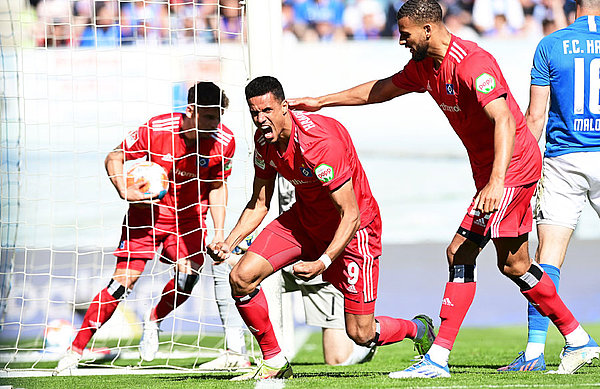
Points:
(101, 309)
(171, 299)
(455, 305)
(394, 330)
(544, 298)
(255, 313)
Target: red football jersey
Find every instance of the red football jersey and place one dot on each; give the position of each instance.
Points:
(320, 158)
(467, 80)
(190, 169)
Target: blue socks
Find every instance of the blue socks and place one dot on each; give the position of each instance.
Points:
(538, 324)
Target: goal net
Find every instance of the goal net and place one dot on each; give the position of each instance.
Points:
(77, 76)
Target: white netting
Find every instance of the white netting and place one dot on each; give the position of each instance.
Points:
(77, 76)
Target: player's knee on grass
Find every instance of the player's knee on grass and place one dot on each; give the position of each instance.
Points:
(361, 335)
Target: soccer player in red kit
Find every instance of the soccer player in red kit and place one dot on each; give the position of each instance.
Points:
(195, 149)
(334, 228)
(467, 84)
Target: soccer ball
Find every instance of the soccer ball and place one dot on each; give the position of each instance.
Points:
(157, 182)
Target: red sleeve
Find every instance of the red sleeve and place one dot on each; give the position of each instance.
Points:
(223, 168)
(331, 164)
(409, 79)
(135, 144)
(262, 169)
(481, 74)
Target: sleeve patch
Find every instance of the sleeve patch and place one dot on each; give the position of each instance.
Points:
(485, 83)
(324, 172)
(259, 161)
(131, 138)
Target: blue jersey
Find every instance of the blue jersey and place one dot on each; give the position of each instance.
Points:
(568, 61)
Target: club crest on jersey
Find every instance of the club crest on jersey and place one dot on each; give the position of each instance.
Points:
(324, 172)
(306, 172)
(203, 162)
(485, 83)
(449, 89)
(259, 161)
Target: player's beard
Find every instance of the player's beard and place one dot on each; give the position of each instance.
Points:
(420, 52)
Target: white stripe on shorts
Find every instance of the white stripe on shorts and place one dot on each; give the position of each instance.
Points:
(496, 219)
(363, 249)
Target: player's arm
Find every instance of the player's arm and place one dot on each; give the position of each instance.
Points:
(217, 201)
(254, 213)
(488, 199)
(537, 109)
(344, 199)
(371, 92)
(114, 162)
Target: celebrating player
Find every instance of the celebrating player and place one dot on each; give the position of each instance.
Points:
(196, 151)
(467, 84)
(564, 63)
(334, 228)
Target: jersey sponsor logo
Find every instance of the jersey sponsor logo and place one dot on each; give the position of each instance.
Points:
(485, 83)
(167, 158)
(324, 172)
(203, 162)
(306, 172)
(449, 89)
(450, 108)
(131, 138)
(184, 174)
(259, 161)
(298, 182)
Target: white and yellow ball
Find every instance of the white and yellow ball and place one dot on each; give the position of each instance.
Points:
(157, 182)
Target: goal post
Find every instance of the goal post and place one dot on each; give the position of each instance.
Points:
(63, 109)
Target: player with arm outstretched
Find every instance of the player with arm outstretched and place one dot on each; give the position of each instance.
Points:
(565, 69)
(196, 151)
(333, 229)
(468, 86)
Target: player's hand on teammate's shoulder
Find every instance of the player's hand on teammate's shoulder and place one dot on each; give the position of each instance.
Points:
(309, 104)
(308, 270)
(218, 251)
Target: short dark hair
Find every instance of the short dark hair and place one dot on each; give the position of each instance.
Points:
(421, 11)
(260, 86)
(207, 94)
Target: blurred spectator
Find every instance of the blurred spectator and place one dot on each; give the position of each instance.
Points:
(230, 21)
(106, 30)
(498, 18)
(458, 21)
(323, 19)
(364, 19)
(53, 28)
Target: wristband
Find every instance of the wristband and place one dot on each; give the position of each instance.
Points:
(326, 260)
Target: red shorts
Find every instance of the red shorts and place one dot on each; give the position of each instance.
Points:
(513, 218)
(141, 237)
(355, 272)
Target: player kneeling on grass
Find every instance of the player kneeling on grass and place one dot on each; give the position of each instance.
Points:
(191, 146)
(334, 228)
(323, 307)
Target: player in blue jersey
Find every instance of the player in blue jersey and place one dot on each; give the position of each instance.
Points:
(566, 68)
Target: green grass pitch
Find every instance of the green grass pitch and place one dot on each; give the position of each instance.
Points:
(473, 362)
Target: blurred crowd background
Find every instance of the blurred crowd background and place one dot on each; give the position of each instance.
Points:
(84, 23)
